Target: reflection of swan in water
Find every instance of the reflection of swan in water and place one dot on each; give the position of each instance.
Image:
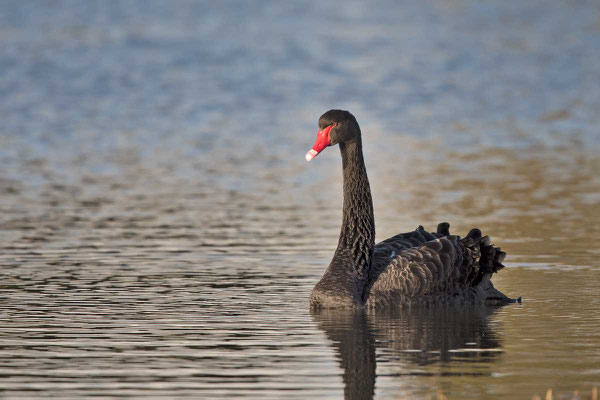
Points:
(354, 344)
(418, 336)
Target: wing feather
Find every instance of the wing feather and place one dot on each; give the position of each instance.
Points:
(424, 267)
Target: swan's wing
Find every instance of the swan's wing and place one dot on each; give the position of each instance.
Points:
(446, 266)
(389, 248)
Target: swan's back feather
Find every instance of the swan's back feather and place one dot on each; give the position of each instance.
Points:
(423, 267)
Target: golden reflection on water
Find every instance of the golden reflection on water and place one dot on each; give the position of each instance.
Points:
(539, 204)
(534, 202)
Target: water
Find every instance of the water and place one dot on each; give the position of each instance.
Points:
(160, 231)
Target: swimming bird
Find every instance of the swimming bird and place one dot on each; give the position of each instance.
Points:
(417, 267)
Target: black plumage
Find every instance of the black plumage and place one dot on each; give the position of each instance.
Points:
(417, 267)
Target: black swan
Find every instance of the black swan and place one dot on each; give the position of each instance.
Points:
(417, 267)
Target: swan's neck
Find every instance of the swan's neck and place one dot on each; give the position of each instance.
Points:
(345, 281)
(357, 236)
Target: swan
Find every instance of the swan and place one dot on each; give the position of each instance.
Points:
(417, 267)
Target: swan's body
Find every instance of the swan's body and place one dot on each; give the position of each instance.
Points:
(417, 267)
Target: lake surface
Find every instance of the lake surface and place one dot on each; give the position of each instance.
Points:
(160, 231)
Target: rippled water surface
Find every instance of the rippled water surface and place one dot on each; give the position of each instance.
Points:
(160, 231)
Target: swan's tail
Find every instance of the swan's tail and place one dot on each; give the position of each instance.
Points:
(490, 256)
(487, 261)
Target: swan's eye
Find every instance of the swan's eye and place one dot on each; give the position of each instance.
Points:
(327, 126)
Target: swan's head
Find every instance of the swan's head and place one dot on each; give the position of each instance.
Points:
(335, 126)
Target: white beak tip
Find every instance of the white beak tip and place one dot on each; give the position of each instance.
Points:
(310, 155)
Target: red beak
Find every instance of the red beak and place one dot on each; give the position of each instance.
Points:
(322, 141)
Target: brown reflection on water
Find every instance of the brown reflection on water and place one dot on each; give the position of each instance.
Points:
(536, 202)
(541, 205)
